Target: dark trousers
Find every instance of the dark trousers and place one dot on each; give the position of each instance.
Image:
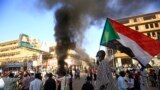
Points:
(131, 88)
(25, 89)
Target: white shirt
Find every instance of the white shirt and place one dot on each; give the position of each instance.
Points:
(130, 83)
(36, 84)
(1, 83)
(64, 82)
(143, 80)
(121, 83)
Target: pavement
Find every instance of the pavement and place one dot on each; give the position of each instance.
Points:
(77, 83)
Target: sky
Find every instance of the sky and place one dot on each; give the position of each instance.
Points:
(16, 19)
(22, 16)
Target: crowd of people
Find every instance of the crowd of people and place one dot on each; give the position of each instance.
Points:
(24, 80)
(99, 77)
(124, 79)
(132, 79)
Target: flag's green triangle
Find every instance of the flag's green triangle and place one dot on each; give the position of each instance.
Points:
(108, 34)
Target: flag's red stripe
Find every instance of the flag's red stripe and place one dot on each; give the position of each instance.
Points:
(148, 44)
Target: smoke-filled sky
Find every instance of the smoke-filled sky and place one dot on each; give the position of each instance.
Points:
(37, 18)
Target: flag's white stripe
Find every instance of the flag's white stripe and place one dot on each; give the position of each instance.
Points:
(143, 56)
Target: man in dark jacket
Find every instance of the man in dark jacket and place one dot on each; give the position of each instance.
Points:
(87, 85)
(50, 83)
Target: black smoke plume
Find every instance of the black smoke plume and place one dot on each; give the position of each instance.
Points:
(64, 35)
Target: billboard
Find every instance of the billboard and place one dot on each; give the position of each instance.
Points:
(32, 43)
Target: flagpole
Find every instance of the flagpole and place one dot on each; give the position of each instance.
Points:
(109, 52)
(99, 47)
(113, 58)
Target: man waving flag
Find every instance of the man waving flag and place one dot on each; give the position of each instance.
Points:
(128, 41)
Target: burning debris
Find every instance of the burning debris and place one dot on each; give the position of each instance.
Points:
(74, 16)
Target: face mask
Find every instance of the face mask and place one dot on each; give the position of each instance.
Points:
(97, 58)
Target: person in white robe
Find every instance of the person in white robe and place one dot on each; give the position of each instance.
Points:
(105, 79)
(143, 80)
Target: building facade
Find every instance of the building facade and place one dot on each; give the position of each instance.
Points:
(17, 53)
(27, 52)
(148, 24)
(74, 59)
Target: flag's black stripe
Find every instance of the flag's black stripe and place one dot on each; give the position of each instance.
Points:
(116, 45)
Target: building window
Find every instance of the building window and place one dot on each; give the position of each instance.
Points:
(156, 24)
(158, 36)
(126, 61)
(148, 34)
(146, 25)
(124, 21)
(134, 19)
(153, 34)
(151, 25)
(136, 28)
(149, 17)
